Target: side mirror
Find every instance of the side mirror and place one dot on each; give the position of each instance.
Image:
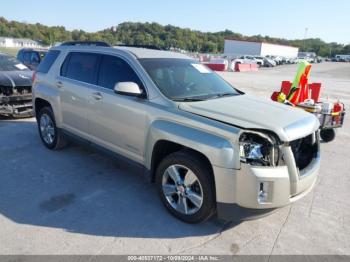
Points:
(128, 88)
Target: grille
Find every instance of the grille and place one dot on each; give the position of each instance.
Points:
(305, 150)
(18, 90)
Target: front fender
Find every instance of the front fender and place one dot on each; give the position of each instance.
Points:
(220, 151)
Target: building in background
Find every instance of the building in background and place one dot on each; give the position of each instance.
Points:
(238, 47)
(344, 57)
(18, 42)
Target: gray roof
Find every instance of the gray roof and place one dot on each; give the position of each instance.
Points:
(134, 51)
(151, 53)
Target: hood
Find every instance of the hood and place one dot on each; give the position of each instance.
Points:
(15, 78)
(249, 112)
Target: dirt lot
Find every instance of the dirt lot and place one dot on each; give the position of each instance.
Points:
(77, 201)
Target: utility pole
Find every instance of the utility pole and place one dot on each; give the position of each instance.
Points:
(305, 36)
(50, 39)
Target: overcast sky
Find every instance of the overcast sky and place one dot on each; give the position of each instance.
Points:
(328, 20)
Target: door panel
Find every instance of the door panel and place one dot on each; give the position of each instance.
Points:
(74, 102)
(118, 123)
(78, 74)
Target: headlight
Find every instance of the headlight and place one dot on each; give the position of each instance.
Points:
(249, 150)
(258, 149)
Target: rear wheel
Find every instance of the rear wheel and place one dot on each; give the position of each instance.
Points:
(186, 187)
(50, 135)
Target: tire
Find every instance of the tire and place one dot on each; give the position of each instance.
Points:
(327, 135)
(50, 135)
(195, 182)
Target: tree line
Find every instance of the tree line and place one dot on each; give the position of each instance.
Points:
(154, 34)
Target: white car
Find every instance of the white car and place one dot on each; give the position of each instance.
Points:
(260, 60)
(269, 62)
(277, 59)
(245, 59)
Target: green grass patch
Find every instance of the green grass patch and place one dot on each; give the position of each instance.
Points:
(9, 50)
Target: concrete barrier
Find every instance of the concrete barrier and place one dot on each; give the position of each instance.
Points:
(254, 67)
(217, 67)
(242, 67)
(245, 67)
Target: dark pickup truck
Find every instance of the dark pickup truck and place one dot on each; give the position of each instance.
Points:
(15, 88)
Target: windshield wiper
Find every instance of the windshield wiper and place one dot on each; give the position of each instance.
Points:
(188, 99)
(203, 98)
(223, 95)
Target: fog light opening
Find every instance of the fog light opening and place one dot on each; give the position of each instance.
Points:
(263, 193)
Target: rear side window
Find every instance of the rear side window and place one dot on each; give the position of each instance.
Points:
(80, 66)
(114, 70)
(48, 61)
(35, 58)
(26, 57)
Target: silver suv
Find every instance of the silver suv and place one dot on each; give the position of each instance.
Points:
(210, 148)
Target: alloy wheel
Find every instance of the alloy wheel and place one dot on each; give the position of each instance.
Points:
(182, 189)
(47, 128)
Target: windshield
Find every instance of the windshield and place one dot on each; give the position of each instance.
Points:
(9, 63)
(185, 79)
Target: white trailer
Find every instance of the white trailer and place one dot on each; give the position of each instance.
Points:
(346, 57)
(238, 47)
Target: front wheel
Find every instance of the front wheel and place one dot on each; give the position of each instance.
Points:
(186, 187)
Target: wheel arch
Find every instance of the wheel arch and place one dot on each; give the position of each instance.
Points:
(166, 137)
(164, 148)
(40, 103)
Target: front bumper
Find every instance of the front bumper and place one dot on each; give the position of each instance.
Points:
(16, 105)
(254, 191)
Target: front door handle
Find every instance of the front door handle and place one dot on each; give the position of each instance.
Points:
(97, 96)
(59, 84)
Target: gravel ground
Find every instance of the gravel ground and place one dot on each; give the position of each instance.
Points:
(77, 201)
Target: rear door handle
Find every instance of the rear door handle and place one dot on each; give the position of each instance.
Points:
(97, 96)
(59, 84)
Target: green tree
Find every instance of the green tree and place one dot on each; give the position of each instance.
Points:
(161, 36)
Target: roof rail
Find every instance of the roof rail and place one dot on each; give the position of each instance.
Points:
(143, 46)
(85, 43)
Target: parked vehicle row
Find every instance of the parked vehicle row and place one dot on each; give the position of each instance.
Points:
(263, 61)
(340, 58)
(272, 60)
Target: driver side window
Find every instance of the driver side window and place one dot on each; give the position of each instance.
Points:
(114, 70)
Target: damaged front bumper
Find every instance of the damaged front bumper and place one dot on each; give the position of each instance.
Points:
(16, 105)
(254, 191)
